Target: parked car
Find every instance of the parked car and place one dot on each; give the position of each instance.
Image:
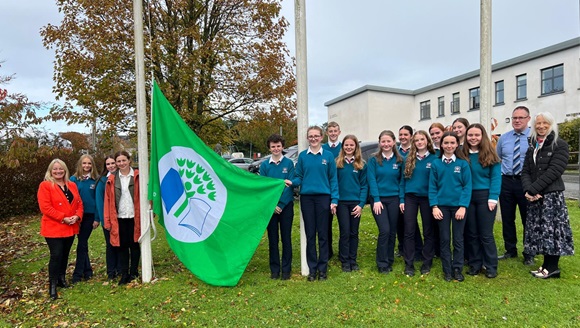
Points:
(242, 163)
(290, 152)
(368, 149)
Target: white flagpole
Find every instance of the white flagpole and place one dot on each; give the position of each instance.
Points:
(143, 151)
(302, 103)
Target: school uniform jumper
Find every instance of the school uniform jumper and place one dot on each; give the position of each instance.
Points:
(335, 150)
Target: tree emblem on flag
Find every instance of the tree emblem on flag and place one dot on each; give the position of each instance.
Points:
(193, 197)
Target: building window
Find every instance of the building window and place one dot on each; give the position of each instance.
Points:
(455, 103)
(474, 98)
(522, 84)
(425, 110)
(441, 106)
(499, 93)
(553, 79)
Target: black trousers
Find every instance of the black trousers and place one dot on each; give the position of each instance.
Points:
(281, 223)
(387, 225)
(112, 258)
(480, 242)
(129, 251)
(315, 210)
(447, 226)
(83, 267)
(349, 226)
(418, 246)
(512, 195)
(59, 251)
(414, 204)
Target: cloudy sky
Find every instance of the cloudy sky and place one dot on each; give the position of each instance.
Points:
(391, 43)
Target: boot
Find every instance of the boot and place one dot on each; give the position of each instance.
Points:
(52, 289)
(62, 282)
(125, 279)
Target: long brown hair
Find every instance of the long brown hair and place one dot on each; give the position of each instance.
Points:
(379, 154)
(411, 160)
(487, 154)
(358, 161)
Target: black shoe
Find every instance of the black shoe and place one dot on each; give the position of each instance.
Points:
(312, 277)
(409, 271)
(75, 280)
(125, 279)
(88, 276)
(528, 260)
(473, 271)
(447, 277)
(52, 289)
(61, 282)
(384, 270)
(491, 275)
(346, 268)
(275, 275)
(545, 274)
(507, 256)
(322, 276)
(425, 269)
(286, 275)
(354, 267)
(457, 275)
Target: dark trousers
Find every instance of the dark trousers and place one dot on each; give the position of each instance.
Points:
(413, 204)
(418, 246)
(83, 267)
(129, 251)
(447, 226)
(112, 258)
(329, 238)
(512, 195)
(283, 223)
(387, 225)
(480, 243)
(59, 250)
(348, 225)
(315, 215)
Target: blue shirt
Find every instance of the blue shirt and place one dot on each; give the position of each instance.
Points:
(505, 149)
(352, 183)
(316, 174)
(282, 170)
(450, 184)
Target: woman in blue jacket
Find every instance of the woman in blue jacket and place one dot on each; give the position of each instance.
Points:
(449, 196)
(110, 166)
(85, 179)
(353, 191)
(384, 174)
(486, 180)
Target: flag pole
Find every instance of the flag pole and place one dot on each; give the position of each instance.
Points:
(142, 150)
(302, 104)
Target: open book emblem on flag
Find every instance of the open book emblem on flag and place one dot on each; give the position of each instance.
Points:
(193, 196)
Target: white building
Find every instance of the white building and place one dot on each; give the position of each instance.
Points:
(544, 80)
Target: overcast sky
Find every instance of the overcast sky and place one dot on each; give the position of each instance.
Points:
(391, 43)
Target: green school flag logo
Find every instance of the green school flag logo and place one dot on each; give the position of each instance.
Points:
(214, 213)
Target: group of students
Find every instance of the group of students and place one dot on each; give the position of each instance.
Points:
(78, 204)
(453, 178)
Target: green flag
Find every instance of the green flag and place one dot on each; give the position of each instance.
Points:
(214, 213)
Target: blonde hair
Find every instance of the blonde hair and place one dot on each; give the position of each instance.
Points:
(80, 172)
(48, 174)
(358, 163)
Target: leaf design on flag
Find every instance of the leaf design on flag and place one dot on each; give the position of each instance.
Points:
(196, 180)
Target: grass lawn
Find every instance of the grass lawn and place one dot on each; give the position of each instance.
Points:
(364, 298)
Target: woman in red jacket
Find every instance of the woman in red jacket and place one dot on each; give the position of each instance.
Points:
(122, 215)
(62, 210)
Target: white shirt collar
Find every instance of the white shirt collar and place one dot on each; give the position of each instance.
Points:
(273, 161)
(131, 173)
(453, 158)
(309, 151)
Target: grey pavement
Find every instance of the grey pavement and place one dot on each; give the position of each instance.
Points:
(572, 183)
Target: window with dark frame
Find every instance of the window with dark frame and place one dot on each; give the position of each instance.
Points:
(425, 108)
(522, 87)
(455, 103)
(499, 93)
(441, 106)
(553, 79)
(474, 98)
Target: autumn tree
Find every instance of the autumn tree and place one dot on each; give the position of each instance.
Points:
(212, 59)
(261, 125)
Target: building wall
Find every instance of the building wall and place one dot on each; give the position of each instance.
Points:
(369, 112)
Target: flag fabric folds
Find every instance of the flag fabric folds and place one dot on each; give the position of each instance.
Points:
(214, 213)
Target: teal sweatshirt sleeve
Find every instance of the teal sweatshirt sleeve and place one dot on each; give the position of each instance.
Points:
(467, 187)
(333, 180)
(100, 199)
(433, 178)
(364, 187)
(495, 183)
(372, 179)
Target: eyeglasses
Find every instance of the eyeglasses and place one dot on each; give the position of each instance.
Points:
(519, 118)
(314, 137)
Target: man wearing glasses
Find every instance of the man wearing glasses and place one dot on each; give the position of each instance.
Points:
(511, 148)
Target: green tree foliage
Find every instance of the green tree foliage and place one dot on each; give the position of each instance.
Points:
(569, 131)
(212, 58)
(256, 130)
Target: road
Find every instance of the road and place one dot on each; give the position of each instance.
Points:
(571, 181)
